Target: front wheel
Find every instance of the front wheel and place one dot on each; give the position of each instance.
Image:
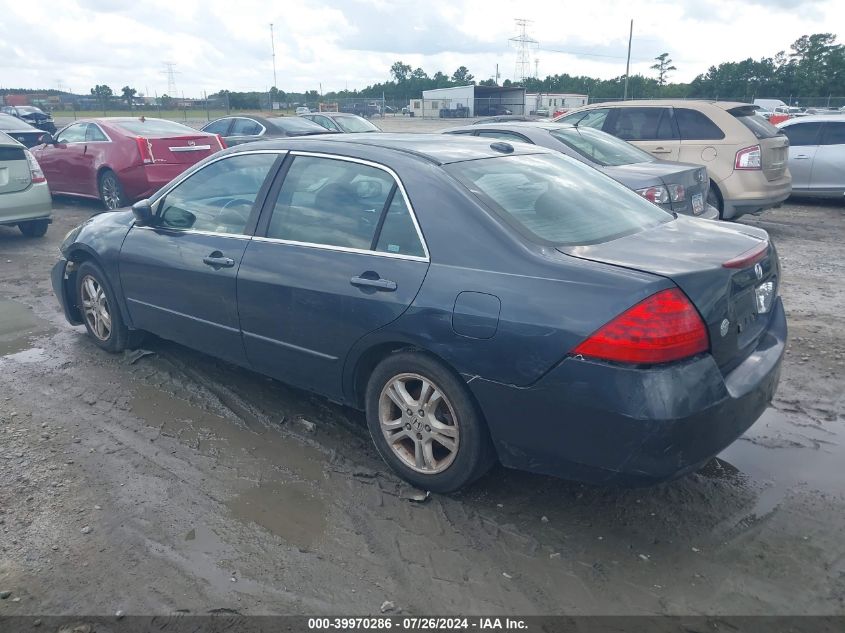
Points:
(34, 228)
(99, 309)
(425, 424)
(111, 191)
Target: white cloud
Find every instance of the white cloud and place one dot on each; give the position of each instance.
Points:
(223, 44)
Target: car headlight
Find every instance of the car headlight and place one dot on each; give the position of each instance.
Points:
(70, 238)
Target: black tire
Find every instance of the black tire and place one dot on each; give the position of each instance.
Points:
(714, 198)
(119, 336)
(111, 191)
(474, 454)
(34, 228)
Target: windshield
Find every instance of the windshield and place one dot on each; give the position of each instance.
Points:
(601, 148)
(354, 124)
(10, 123)
(556, 200)
(297, 124)
(28, 110)
(155, 127)
(758, 125)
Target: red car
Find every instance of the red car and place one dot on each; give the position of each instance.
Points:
(121, 159)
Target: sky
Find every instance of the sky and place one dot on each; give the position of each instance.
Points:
(349, 44)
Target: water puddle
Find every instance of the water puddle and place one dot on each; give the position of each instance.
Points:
(784, 451)
(290, 510)
(18, 327)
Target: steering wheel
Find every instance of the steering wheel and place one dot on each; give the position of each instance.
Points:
(242, 201)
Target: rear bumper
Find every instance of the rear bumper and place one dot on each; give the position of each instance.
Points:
(142, 181)
(749, 192)
(33, 203)
(604, 423)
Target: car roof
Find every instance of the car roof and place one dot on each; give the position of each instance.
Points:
(436, 148)
(724, 105)
(839, 118)
(505, 125)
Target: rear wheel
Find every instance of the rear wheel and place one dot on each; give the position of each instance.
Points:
(111, 191)
(34, 228)
(714, 198)
(425, 424)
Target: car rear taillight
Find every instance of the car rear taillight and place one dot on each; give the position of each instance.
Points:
(662, 328)
(677, 193)
(35, 173)
(749, 257)
(749, 158)
(221, 141)
(145, 149)
(657, 195)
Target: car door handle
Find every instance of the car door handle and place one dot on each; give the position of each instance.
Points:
(801, 157)
(217, 260)
(660, 150)
(368, 282)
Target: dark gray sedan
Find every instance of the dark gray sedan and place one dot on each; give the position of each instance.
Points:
(243, 128)
(678, 187)
(480, 300)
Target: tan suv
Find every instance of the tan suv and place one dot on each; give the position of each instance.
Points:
(745, 156)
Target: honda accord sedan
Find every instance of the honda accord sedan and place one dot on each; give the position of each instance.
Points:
(679, 187)
(480, 300)
(120, 159)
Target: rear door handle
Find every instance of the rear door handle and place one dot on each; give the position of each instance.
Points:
(660, 150)
(801, 157)
(380, 284)
(217, 260)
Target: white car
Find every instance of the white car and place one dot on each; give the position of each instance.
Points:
(302, 110)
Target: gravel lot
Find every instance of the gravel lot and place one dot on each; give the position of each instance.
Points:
(174, 481)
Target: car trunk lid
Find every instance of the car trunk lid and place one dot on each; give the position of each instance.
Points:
(15, 174)
(774, 145)
(693, 254)
(182, 149)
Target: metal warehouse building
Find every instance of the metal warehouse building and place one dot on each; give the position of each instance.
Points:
(469, 101)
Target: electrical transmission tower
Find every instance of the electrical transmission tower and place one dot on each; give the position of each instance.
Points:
(171, 72)
(523, 43)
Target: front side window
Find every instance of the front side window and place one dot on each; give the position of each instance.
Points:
(643, 124)
(833, 134)
(73, 133)
(218, 198)
(803, 134)
(330, 202)
(601, 148)
(556, 200)
(94, 133)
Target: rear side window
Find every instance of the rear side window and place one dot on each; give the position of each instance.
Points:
(94, 133)
(803, 134)
(695, 125)
(398, 233)
(759, 126)
(10, 153)
(221, 126)
(246, 127)
(556, 200)
(833, 134)
(643, 124)
(73, 133)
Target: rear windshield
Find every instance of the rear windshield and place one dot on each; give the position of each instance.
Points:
(759, 126)
(601, 148)
(297, 124)
(155, 127)
(8, 122)
(556, 200)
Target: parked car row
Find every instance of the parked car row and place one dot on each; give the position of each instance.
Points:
(36, 117)
(24, 196)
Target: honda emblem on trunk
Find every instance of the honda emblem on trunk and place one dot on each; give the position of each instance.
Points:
(192, 143)
(758, 270)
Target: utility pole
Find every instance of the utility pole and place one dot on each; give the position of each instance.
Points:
(523, 43)
(497, 75)
(628, 63)
(273, 48)
(171, 72)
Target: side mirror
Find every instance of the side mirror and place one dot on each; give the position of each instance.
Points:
(47, 139)
(143, 212)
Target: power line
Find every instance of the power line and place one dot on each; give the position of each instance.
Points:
(171, 72)
(524, 43)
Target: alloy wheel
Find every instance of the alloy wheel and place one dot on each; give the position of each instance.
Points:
(419, 423)
(95, 306)
(111, 192)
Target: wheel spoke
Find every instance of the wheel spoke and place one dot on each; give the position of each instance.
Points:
(105, 317)
(399, 394)
(443, 429)
(90, 288)
(425, 392)
(446, 442)
(428, 454)
(390, 425)
(419, 458)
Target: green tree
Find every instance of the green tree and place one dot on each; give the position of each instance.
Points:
(462, 76)
(663, 67)
(419, 74)
(102, 92)
(400, 71)
(128, 94)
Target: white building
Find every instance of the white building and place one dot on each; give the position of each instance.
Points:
(469, 101)
(552, 101)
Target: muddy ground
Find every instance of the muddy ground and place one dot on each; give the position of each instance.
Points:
(174, 482)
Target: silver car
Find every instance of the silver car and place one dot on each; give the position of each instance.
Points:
(817, 154)
(25, 199)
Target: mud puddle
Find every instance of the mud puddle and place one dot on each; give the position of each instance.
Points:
(18, 327)
(783, 452)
